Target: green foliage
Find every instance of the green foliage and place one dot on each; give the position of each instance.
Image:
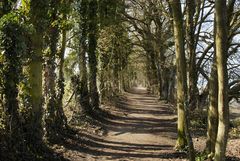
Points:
(14, 41)
(114, 43)
(110, 12)
(6, 6)
(2, 126)
(201, 156)
(114, 48)
(57, 14)
(15, 51)
(235, 128)
(38, 16)
(25, 107)
(198, 119)
(25, 6)
(65, 9)
(14, 34)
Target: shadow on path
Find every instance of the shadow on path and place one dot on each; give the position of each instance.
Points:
(137, 128)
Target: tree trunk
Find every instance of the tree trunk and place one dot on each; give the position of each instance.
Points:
(38, 18)
(212, 111)
(10, 73)
(62, 120)
(165, 83)
(171, 88)
(84, 94)
(182, 100)
(212, 128)
(152, 68)
(221, 56)
(35, 82)
(50, 77)
(190, 39)
(94, 96)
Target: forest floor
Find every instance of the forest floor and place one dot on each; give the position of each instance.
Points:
(138, 128)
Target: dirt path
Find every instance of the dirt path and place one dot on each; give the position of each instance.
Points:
(139, 128)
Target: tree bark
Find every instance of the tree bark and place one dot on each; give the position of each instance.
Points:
(92, 38)
(221, 56)
(38, 18)
(62, 122)
(50, 77)
(190, 39)
(35, 92)
(84, 94)
(182, 100)
(10, 72)
(212, 111)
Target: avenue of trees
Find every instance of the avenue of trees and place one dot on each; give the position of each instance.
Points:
(54, 53)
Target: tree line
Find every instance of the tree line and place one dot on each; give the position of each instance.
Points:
(186, 52)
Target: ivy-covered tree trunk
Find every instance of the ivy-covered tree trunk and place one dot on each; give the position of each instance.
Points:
(221, 56)
(84, 94)
(182, 100)
(38, 10)
(11, 73)
(61, 117)
(55, 118)
(92, 44)
(50, 75)
(62, 120)
(13, 46)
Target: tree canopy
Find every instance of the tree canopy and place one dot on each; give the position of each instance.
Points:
(64, 65)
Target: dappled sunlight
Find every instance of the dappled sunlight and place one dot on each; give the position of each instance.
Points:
(124, 80)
